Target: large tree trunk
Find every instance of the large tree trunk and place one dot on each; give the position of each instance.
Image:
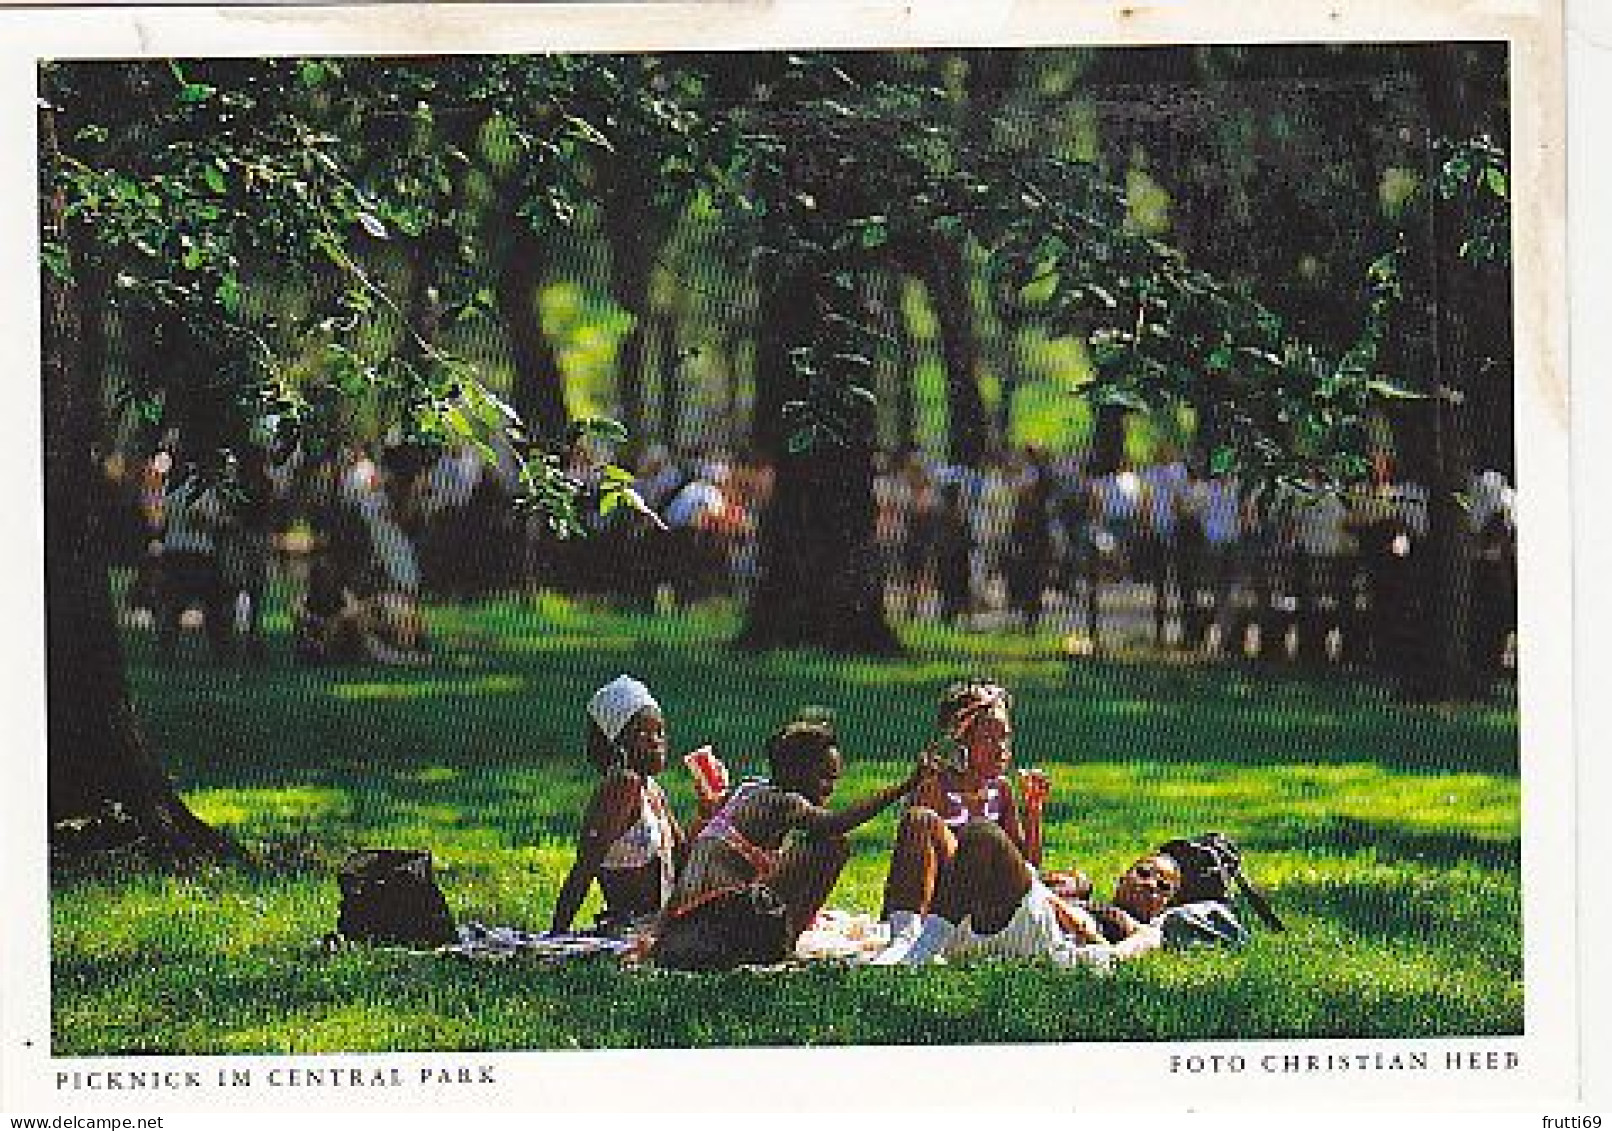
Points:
(1108, 440)
(906, 360)
(665, 356)
(538, 392)
(1448, 671)
(897, 396)
(633, 231)
(946, 278)
(99, 763)
(820, 584)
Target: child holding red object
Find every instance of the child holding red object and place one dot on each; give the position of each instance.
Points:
(976, 715)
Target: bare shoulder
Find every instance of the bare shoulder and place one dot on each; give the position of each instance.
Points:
(769, 812)
(621, 784)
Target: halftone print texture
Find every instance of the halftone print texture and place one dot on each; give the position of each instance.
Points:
(1169, 389)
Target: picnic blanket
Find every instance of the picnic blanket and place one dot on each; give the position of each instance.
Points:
(850, 937)
(842, 936)
(838, 936)
(478, 941)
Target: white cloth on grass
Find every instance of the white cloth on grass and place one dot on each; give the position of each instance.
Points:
(1032, 933)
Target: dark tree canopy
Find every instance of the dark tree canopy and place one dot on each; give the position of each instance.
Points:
(285, 250)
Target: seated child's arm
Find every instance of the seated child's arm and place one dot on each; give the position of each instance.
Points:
(816, 821)
(1025, 832)
(615, 806)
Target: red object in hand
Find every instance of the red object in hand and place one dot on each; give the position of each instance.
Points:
(710, 775)
(1035, 783)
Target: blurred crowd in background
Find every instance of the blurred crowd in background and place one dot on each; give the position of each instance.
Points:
(1160, 555)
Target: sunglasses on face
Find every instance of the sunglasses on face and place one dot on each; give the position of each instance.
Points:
(1151, 872)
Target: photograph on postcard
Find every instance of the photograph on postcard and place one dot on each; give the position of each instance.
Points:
(703, 549)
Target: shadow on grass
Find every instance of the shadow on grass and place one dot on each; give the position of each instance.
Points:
(1388, 832)
(514, 704)
(1393, 842)
(401, 1002)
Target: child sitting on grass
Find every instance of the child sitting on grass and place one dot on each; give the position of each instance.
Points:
(976, 715)
(630, 841)
(743, 898)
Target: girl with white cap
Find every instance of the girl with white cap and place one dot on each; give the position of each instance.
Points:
(630, 841)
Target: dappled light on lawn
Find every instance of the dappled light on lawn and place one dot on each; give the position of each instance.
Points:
(423, 688)
(1387, 837)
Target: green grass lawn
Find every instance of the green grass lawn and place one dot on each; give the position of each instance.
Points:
(1388, 837)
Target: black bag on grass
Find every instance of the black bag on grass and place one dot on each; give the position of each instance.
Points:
(1211, 865)
(388, 895)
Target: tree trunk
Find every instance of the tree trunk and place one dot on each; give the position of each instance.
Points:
(906, 371)
(820, 584)
(99, 762)
(946, 279)
(1448, 673)
(631, 230)
(898, 415)
(538, 391)
(1108, 440)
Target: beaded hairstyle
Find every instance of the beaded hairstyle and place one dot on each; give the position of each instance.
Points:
(963, 701)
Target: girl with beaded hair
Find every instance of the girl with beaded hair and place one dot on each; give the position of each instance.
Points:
(630, 840)
(976, 716)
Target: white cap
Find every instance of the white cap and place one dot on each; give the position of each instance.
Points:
(613, 705)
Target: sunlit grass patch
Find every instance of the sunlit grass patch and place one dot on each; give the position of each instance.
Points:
(1386, 835)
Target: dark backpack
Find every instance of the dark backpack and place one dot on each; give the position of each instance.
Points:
(388, 895)
(1211, 865)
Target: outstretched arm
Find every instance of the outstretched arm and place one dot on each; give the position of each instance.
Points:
(615, 805)
(816, 821)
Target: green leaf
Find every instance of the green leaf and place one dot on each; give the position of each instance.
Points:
(1390, 391)
(1499, 184)
(372, 224)
(54, 257)
(602, 428)
(457, 422)
(214, 176)
(874, 232)
(229, 294)
(588, 132)
(801, 440)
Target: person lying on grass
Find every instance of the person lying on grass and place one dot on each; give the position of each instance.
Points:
(630, 840)
(976, 715)
(743, 898)
(991, 904)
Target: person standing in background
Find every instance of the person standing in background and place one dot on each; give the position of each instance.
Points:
(1162, 486)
